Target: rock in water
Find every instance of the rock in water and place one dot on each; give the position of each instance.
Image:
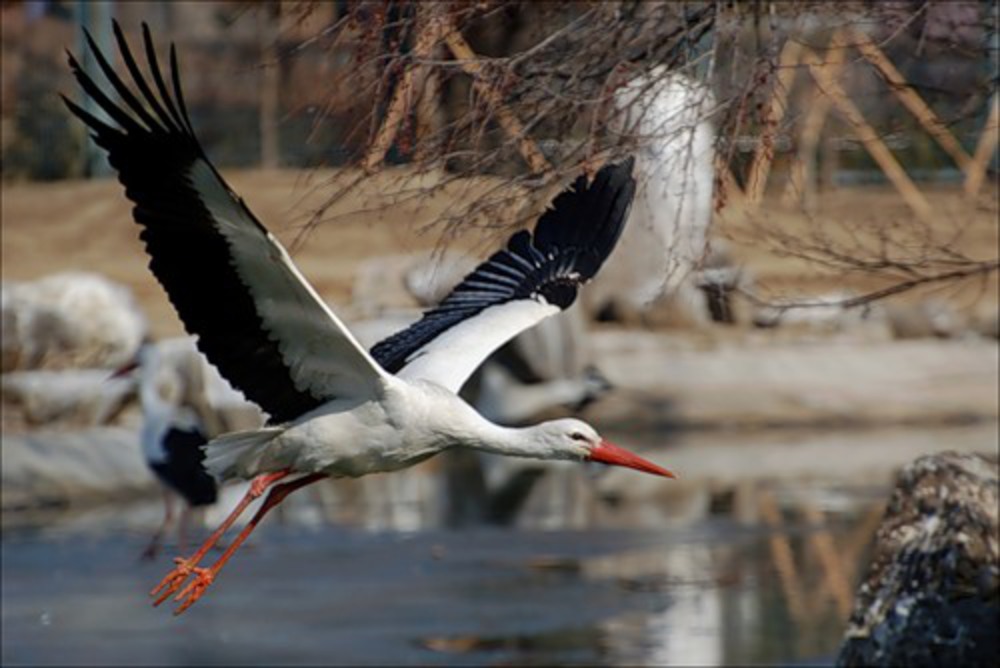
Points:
(931, 595)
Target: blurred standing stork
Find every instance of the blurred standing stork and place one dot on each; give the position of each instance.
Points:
(174, 410)
(184, 404)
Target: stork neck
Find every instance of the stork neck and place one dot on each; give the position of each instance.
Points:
(513, 442)
(463, 426)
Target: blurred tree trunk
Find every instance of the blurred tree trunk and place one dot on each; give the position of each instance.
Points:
(268, 19)
(429, 112)
(95, 17)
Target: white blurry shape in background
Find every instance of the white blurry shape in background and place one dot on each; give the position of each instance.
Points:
(665, 237)
(179, 387)
(69, 320)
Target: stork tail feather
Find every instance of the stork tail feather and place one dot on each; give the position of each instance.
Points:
(239, 454)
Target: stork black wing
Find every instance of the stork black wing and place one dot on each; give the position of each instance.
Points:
(533, 277)
(230, 280)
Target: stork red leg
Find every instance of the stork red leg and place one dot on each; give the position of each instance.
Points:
(205, 576)
(175, 578)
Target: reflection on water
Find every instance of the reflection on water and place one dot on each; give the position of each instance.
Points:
(704, 597)
(723, 590)
(456, 563)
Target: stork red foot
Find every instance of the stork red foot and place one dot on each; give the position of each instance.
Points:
(203, 577)
(173, 580)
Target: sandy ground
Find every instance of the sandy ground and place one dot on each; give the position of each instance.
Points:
(86, 225)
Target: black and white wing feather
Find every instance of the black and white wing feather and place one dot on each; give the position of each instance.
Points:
(232, 283)
(535, 276)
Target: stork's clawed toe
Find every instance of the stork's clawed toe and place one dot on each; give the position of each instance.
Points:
(172, 581)
(204, 577)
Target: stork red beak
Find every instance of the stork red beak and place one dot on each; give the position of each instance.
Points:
(128, 368)
(613, 455)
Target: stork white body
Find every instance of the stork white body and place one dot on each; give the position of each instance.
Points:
(407, 422)
(336, 409)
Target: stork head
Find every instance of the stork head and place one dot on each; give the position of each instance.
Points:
(575, 439)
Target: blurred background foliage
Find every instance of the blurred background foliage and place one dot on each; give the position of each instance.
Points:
(313, 79)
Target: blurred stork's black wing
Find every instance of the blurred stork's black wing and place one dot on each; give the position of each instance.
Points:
(232, 283)
(184, 469)
(534, 277)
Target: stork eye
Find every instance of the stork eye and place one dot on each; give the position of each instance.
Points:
(578, 436)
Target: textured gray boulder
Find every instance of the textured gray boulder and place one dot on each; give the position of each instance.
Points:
(931, 594)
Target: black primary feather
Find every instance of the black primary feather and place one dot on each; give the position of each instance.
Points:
(571, 241)
(153, 148)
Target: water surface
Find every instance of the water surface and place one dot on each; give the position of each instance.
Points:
(730, 566)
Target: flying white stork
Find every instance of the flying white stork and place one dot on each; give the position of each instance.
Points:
(335, 410)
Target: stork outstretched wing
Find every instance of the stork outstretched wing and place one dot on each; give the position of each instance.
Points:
(535, 276)
(233, 284)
